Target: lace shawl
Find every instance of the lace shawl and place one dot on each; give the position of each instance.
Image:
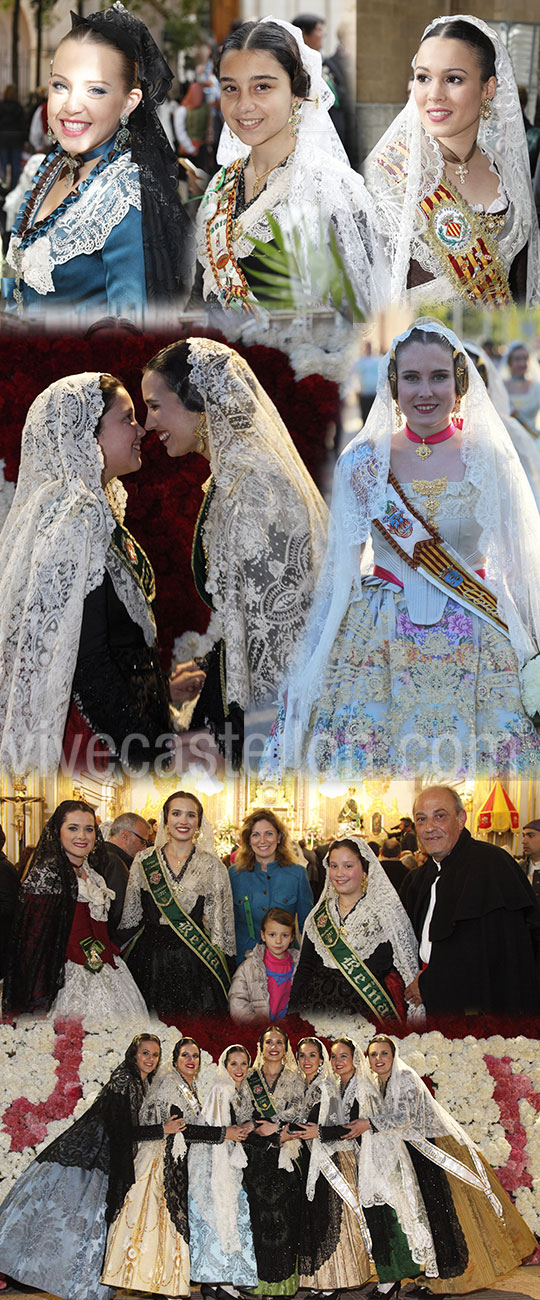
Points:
(379, 917)
(55, 546)
(84, 226)
(501, 137)
(204, 875)
(265, 532)
(505, 511)
(215, 1172)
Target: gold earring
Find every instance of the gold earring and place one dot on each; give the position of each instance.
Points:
(294, 118)
(399, 412)
(196, 836)
(457, 405)
(201, 432)
(485, 109)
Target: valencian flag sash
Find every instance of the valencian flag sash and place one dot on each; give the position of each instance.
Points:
(422, 548)
(186, 929)
(352, 967)
(464, 241)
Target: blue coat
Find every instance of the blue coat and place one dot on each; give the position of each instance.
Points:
(286, 887)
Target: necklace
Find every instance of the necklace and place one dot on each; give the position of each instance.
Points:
(427, 444)
(460, 164)
(432, 492)
(260, 179)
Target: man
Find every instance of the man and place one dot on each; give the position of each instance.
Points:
(313, 28)
(475, 917)
(406, 835)
(129, 834)
(531, 852)
(389, 859)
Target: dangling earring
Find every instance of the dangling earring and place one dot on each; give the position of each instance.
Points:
(201, 432)
(485, 109)
(50, 136)
(231, 133)
(122, 135)
(196, 836)
(295, 117)
(399, 412)
(457, 405)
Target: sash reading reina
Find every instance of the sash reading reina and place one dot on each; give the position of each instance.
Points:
(182, 924)
(353, 968)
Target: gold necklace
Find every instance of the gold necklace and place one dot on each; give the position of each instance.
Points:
(432, 491)
(259, 179)
(460, 164)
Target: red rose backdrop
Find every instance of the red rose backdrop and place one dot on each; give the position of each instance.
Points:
(164, 498)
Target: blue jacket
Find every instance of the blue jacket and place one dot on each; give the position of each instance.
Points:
(286, 887)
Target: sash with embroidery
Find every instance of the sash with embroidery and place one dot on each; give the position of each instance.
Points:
(452, 1165)
(182, 924)
(340, 1185)
(231, 283)
(352, 967)
(424, 550)
(464, 241)
(135, 560)
(261, 1096)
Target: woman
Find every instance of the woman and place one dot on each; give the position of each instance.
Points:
(53, 1223)
(264, 874)
(178, 915)
(147, 1246)
(523, 392)
(78, 655)
(432, 1203)
(260, 535)
(450, 177)
(358, 950)
(221, 1241)
(273, 1175)
(283, 163)
(524, 437)
(102, 231)
(422, 638)
(61, 959)
(333, 1232)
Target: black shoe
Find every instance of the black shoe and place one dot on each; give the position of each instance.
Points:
(375, 1294)
(420, 1292)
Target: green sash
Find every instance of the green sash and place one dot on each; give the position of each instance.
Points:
(261, 1096)
(135, 560)
(182, 924)
(354, 970)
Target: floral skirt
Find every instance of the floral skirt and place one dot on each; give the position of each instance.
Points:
(415, 699)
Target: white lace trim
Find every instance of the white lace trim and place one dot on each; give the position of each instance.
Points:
(204, 875)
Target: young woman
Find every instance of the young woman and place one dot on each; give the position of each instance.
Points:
(419, 646)
(264, 874)
(523, 392)
(53, 1223)
(78, 655)
(147, 1246)
(178, 915)
(284, 163)
(62, 960)
(260, 535)
(450, 178)
(102, 230)
(359, 951)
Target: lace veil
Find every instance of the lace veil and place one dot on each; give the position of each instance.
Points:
(323, 186)
(55, 549)
(379, 918)
(215, 1171)
(265, 532)
(505, 510)
(501, 137)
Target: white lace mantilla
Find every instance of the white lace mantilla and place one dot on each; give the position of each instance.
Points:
(83, 228)
(131, 595)
(204, 875)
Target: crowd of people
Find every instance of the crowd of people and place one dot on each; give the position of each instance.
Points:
(112, 928)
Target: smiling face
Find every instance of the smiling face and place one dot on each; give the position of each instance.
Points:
(277, 937)
(188, 1061)
(341, 1058)
(438, 823)
(309, 1060)
(120, 437)
(518, 362)
(87, 95)
(256, 99)
(264, 840)
(274, 1047)
(148, 1057)
(448, 88)
(173, 423)
(182, 821)
(347, 874)
(426, 386)
(381, 1060)
(237, 1066)
(78, 836)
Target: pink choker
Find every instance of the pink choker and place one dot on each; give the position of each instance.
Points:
(426, 444)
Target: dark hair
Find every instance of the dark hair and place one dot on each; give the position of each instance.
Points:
(130, 72)
(270, 1029)
(348, 844)
(281, 916)
(381, 1038)
(2, 837)
(245, 858)
(459, 30)
(314, 1043)
(275, 40)
(183, 794)
(110, 386)
(180, 1044)
(130, 1057)
(97, 857)
(347, 1042)
(172, 364)
(237, 1047)
(307, 22)
(374, 846)
(417, 335)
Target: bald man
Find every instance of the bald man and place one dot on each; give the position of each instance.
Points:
(475, 917)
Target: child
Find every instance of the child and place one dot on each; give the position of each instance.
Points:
(261, 987)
